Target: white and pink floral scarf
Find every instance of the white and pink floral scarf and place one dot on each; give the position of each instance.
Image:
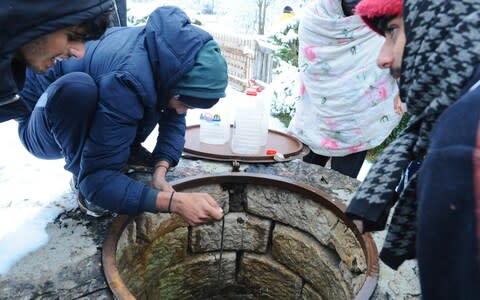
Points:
(346, 102)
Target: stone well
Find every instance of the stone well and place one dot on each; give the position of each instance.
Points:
(278, 240)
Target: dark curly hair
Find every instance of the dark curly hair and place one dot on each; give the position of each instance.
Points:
(348, 6)
(381, 23)
(93, 28)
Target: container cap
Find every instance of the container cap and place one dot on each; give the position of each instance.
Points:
(271, 152)
(253, 85)
(257, 88)
(251, 91)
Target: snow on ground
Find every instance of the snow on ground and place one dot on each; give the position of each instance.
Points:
(33, 192)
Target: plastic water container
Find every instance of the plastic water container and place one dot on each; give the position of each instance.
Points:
(249, 131)
(265, 98)
(214, 125)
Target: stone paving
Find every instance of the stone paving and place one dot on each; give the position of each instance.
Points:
(69, 265)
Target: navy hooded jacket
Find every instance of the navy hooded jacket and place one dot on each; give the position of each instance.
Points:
(134, 69)
(24, 20)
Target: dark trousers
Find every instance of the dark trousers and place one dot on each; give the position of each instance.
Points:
(348, 165)
(60, 121)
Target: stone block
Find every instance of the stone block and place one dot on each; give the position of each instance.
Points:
(242, 232)
(268, 279)
(292, 209)
(348, 248)
(197, 277)
(315, 263)
(163, 252)
(127, 246)
(308, 293)
(150, 226)
(166, 251)
(355, 280)
(216, 192)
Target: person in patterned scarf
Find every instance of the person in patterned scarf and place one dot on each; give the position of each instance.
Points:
(433, 48)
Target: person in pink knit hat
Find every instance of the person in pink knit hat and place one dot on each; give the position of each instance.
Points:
(427, 173)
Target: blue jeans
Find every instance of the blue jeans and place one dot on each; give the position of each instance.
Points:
(59, 124)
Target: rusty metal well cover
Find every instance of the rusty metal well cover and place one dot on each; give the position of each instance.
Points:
(287, 145)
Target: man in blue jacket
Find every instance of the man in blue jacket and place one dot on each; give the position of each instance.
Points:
(36, 33)
(96, 112)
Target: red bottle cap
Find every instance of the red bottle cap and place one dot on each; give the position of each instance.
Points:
(271, 151)
(251, 92)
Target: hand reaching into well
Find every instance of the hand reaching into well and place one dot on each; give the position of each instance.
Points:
(194, 208)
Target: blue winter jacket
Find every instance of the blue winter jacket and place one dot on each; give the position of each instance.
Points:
(134, 68)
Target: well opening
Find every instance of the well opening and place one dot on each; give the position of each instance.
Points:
(281, 240)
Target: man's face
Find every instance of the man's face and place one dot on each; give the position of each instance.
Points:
(391, 53)
(42, 53)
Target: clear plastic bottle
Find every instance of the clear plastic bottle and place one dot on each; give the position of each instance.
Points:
(264, 97)
(214, 125)
(248, 130)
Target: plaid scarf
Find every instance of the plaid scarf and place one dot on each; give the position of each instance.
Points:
(442, 51)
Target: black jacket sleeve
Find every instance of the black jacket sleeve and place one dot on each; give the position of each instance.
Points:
(14, 109)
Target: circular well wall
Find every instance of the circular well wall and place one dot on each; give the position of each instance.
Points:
(281, 240)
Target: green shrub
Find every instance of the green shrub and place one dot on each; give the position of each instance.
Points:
(287, 40)
(136, 21)
(196, 22)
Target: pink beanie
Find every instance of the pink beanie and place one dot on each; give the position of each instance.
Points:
(369, 10)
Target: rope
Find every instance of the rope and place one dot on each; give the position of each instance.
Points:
(219, 273)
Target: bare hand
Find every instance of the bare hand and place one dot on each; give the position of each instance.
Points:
(359, 224)
(196, 208)
(158, 180)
